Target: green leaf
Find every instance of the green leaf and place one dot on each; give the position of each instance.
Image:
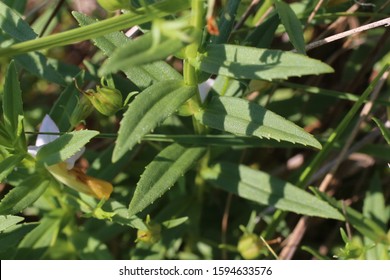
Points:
(65, 104)
(292, 25)
(35, 244)
(12, 104)
(241, 62)
(174, 222)
(23, 195)
(12, 24)
(375, 208)
(166, 168)
(148, 110)
(219, 140)
(142, 76)
(374, 205)
(363, 224)
(18, 6)
(7, 165)
(122, 215)
(38, 65)
(64, 146)
(226, 23)
(265, 189)
(8, 221)
(263, 35)
(141, 51)
(384, 130)
(239, 116)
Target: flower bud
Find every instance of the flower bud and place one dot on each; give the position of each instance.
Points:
(250, 246)
(150, 235)
(83, 109)
(106, 100)
(112, 5)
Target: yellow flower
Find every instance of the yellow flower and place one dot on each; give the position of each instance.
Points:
(65, 172)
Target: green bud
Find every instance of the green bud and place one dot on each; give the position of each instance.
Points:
(106, 100)
(83, 109)
(150, 235)
(112, 5)
(250, 246)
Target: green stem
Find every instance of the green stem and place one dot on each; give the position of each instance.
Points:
(191, 51)
(97, 29)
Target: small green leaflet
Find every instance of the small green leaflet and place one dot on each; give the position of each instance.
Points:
(292, 25)
(241, 117)
(13, 105)
(241, 62)
(160, 175)
(265, 189)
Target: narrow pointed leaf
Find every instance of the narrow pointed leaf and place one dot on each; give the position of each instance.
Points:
(262, 188)
(291, 24)
(7, 165)
(160, 175)
(148, 110)
(65, 146)
(241, 62)
(23, 195)
(384, 130)
(239, 116)
(12, 101)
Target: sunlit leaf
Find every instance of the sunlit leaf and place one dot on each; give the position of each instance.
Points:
(241, 62)
(160, 175)
(23, 195)
(148, 110)
(65, 146)
(265, 189)
(8, 221)
(242, 117)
